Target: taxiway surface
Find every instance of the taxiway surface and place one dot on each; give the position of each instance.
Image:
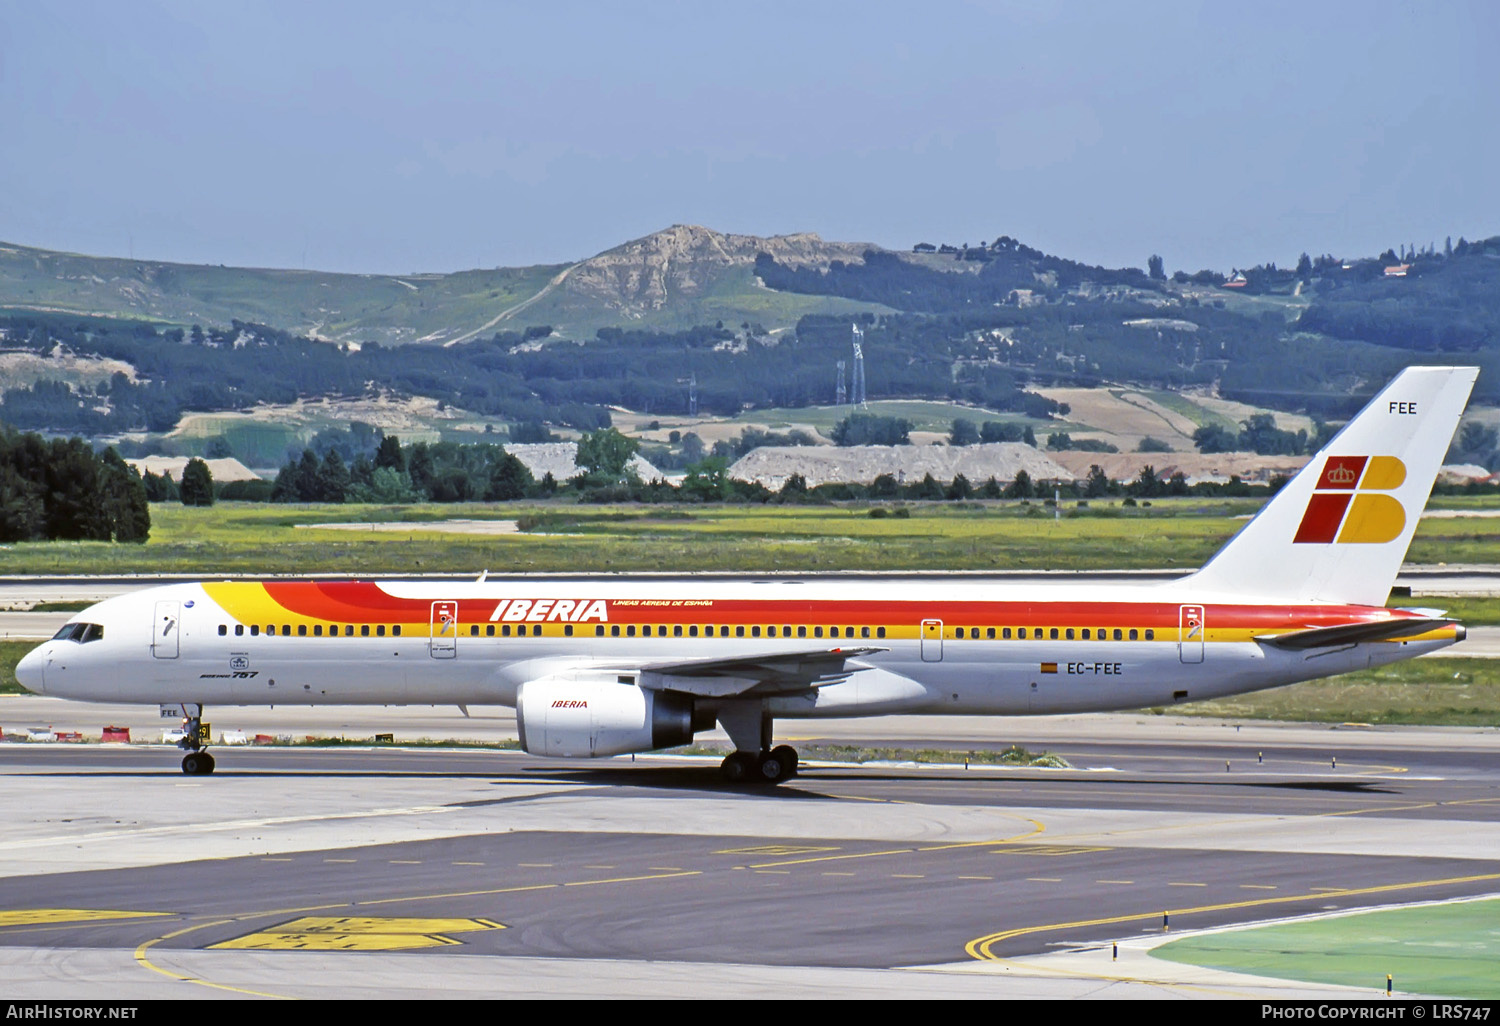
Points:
(414, 872)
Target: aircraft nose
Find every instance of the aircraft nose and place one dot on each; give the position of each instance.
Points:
(29, 670)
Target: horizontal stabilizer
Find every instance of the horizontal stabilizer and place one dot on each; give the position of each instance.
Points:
(1354, 633)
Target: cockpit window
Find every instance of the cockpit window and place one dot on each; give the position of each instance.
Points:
(79, 632)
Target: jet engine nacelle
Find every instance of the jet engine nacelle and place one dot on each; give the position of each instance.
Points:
(588, 719)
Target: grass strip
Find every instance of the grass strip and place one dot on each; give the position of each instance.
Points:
(1450, 949)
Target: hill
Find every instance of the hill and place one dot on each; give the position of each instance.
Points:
(692, 321)
(669, 280)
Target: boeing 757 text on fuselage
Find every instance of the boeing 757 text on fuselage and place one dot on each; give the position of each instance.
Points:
(605, 666)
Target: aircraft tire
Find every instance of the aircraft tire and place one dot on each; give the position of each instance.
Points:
(769, 769)
(197, 764)
(738, 767)
(787, 756)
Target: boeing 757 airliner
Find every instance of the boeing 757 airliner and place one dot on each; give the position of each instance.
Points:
(606, 666)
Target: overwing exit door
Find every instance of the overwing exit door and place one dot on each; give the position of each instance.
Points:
(932, 641)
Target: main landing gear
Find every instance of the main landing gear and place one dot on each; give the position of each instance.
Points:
(197, 761)
(772, 767)
(754, 760)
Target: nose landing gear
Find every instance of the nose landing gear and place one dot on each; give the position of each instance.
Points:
(197, 761)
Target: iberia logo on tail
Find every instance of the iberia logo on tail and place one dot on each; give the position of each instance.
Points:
(1347, 504)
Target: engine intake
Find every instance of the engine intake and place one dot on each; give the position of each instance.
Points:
(591, 719)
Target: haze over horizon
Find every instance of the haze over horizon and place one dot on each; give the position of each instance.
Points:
(376, 138)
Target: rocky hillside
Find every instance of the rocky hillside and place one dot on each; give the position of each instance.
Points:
(676, 278)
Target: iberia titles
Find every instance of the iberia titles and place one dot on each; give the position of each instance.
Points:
(551, 610)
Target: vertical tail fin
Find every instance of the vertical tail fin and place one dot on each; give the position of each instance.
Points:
(1339, 530)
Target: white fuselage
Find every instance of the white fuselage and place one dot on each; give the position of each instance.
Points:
(940, 647)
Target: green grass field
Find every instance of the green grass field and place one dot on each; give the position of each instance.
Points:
(1447, 950)
(566, 537)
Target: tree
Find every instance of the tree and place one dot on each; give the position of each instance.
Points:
(1021, 487)
(870, 429)
(123, 499)
(708, 480)
(964, 432)
(960, 488)
(1097, 484)
(927, 488)
(509, 479)
(160, 489)
(1304, 267)
(1147, 485)
(1215, 438)
(531, 431)
(605, 456)
(1155, 269)
(333, 478)
(197, 487)
(388, 454)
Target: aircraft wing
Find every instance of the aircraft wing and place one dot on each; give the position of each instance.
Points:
(1354, 633)
(779, 673)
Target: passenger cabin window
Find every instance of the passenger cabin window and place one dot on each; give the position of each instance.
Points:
(568, 630)
(1133, 635)
(380, 631)
(1085, 634)
(989, 632)
(1150, 634)
(255, 630)
(364, 630)
(1021, 633)
(223, 630)
(1118, 635)
(302, 630)
(755, 631)
(1069, 634)
(239, 630)
(880, 632)
(489, 630)
(959, 633)
(318, 630)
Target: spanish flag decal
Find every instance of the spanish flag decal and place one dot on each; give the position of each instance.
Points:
(1344, 508)
(1051, 667)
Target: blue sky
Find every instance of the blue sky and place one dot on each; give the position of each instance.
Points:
(376, 137)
